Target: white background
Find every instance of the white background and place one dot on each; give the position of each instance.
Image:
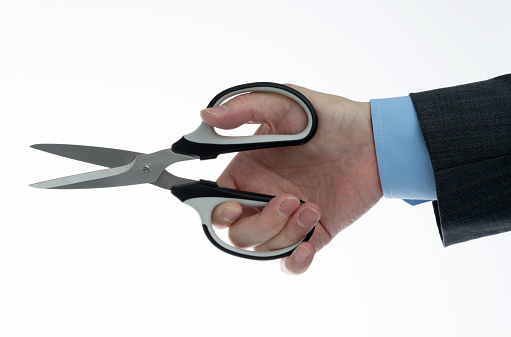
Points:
(133, 261)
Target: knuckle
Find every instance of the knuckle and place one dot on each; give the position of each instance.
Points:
(236, 240)
(272, 230)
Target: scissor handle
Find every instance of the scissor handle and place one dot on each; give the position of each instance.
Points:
(206, 143)
(205, 195)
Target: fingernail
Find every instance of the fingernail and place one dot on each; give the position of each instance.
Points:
(302, 253)
(288, 206)
(230, 214)
(218, 110)
(308, 217)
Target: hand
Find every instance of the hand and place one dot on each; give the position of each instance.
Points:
(337, 169)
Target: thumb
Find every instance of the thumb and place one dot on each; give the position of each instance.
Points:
(224, 117)
(255, 107)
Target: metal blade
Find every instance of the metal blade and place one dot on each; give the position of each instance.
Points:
(93, 179)
(167, 180)
(145, 168)
(90, 154)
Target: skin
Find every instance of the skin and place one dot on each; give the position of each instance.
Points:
(336, 172)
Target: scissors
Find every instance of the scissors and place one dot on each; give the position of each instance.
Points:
(131, 168)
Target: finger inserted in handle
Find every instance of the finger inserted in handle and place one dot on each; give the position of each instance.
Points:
(206, 143)
(204, 196)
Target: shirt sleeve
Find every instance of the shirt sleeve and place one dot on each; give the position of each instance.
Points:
(403, 160)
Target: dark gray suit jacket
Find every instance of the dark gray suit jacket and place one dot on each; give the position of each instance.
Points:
(467, 130)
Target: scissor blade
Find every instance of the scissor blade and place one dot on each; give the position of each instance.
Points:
(96, 179)
(145, 168)
(90, 154)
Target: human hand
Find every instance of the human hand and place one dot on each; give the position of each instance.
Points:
(336, 169)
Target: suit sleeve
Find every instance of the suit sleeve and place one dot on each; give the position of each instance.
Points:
(467, 130)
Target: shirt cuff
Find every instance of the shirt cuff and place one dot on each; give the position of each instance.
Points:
(403, 159)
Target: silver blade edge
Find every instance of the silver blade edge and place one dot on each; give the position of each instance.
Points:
(84, 180)
(90, 154)
(145, 168)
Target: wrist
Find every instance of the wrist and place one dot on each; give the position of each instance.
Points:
(364, 111)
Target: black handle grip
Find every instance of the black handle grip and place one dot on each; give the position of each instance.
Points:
(205, 143)
(205, 195)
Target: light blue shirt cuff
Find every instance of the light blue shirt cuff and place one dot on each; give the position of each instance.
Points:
(403, 159)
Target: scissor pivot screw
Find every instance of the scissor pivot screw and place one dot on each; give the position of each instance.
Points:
(146, 168)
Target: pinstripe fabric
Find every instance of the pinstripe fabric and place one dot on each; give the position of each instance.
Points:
(467, 130)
